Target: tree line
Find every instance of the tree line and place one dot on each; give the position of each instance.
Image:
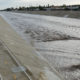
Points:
(32, 8)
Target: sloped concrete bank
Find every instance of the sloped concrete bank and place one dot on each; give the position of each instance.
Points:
(36, 67)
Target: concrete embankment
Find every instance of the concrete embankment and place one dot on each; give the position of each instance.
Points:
(36, 67)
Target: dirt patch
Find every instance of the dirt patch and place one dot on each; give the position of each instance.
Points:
(48, 35)
(71, 68)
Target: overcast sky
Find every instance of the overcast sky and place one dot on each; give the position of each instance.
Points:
(17, 3)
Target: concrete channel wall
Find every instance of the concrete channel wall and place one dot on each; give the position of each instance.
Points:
(25, 55)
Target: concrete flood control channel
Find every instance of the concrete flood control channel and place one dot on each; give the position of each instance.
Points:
(7, 64)
(18, 53)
